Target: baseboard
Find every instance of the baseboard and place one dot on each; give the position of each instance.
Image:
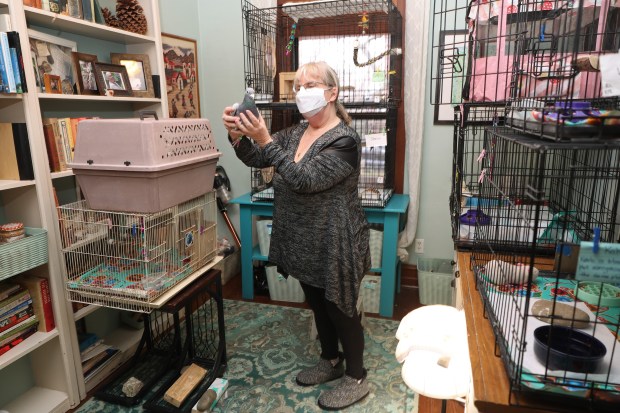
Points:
(409, 275)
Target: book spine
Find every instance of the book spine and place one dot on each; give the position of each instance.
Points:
(9, 290)
(22, 297)
(8, 65)
(87, 10)
(19, 337)
(29, 322)
(15, 319)
(19, 307)
(15, 43)
(50, 144)
(16, 74)
(3, 73)
(22, 151)
(59, 146)
(46, 304)
(25, 332)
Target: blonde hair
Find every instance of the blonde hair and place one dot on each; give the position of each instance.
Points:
(328, 76)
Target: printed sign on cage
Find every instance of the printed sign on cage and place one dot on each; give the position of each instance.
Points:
(610, 74)
(602, 265)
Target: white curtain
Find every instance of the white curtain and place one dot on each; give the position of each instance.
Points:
(417, 19)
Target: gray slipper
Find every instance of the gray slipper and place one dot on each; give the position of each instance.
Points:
(349, 391)
(322, 372)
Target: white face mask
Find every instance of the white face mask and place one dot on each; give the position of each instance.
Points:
(310, 101)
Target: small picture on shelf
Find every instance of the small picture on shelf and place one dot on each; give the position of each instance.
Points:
(84, 67)
(112, 80)
(52, 56)
(52, 83)
(139, 72)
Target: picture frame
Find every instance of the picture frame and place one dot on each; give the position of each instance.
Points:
(112, 80)
(139, 71)
(52, 55)
(85, 76)
(451, 74)
(53, 83)
(181, 67)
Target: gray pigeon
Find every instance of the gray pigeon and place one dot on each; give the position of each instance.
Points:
(247, 104)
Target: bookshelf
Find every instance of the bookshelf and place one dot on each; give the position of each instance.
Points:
(43, 373)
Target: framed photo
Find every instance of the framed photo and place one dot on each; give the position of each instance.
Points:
(53, 83)
(112, 80)
(84, 68)
(139, 72)
(52, 55)
(451, 74)
(181, 62)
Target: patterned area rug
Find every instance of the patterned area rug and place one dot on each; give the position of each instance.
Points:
(267, 345)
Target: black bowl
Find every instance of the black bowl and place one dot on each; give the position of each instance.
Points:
(568, 349)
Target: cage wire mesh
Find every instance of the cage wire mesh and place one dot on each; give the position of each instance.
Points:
(367, 33)
(470, 121)
(558, 69)
(128, 260)
(542, 199)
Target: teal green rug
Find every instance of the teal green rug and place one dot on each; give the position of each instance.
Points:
(267, 345)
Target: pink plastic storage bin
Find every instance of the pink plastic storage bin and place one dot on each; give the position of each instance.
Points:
(143, 165)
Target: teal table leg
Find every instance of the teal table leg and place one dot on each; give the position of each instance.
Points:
(247, 272)
(388, 275)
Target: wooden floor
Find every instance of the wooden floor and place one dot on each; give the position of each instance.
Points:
(405, 301)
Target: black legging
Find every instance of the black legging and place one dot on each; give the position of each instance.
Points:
(332, 325)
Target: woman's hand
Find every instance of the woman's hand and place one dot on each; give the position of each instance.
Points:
(230, 123)
(253, 127)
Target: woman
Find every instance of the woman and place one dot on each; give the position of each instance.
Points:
(319, 233)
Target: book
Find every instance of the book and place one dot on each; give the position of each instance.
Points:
(65, 138)
(87, 10)
(45, 5)
(22, 151)
(24, 332)
(33, 3)
(16, 43)
(39, 289)
(86, 340)
(16, 309)
(60, 146)
(9, 168)
(111, 355)
(16, 74)
(50, 145)
(74, 8)
(8, 63)
(22, 296)
(97, 12)
(18, 338)
(28, 322)
(8, 289)
(15, 319)
(4, 73)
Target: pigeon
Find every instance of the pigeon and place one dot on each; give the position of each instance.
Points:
(247, 104)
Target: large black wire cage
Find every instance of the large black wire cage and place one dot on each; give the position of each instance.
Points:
(361, 40)
(556, 327)
(543, 59)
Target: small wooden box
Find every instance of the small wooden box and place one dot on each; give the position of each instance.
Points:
(184, 385)
(286, 85)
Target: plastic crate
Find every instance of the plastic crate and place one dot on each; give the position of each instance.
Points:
(435, 281)
(370, 291)
(128, 260)
(24, 254)
(143, 165)
(283, 289)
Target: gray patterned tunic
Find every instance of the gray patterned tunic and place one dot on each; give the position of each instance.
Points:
(319, 232)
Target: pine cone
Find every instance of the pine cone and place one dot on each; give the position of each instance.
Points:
(130, 16)
(109, 18)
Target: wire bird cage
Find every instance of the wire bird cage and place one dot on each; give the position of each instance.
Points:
(128, 260)
(361, 40)
(470, 122)
(556, 330)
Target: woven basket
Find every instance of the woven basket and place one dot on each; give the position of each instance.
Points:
(24, 254)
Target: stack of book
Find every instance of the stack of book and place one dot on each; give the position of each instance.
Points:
(12, 75)
(17, 317)
(95, 354)
(15, 157)
(60, 135)
(89, 10)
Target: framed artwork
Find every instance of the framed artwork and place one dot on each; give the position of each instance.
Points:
(53, 83)
(180, 61)
(52, 55)
(84, 68)
(139, 72)
(112, 80)
(451, 73)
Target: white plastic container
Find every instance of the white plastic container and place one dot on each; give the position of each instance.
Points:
(143, 165)
(283, 289)
(263, 230)
(435, 281)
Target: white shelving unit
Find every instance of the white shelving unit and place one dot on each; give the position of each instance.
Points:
(43, 374)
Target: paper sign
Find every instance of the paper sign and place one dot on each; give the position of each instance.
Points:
(604, 266)
(376, 139)
(610, 74)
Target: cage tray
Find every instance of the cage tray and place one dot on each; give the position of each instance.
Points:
(563, 132)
